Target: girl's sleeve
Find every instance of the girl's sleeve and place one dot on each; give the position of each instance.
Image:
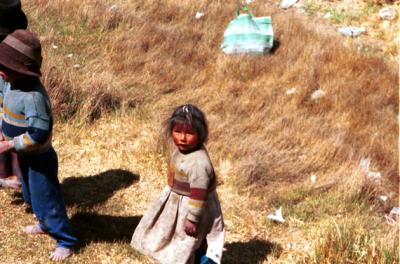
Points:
(38, 114)
(199, 180)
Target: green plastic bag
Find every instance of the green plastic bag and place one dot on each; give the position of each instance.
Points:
(248, 35)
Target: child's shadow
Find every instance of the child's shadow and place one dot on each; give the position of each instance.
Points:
(87, 191)
(251, 252)
(91, 227)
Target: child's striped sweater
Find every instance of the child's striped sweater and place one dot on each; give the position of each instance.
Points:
(26, 116)
(192, 175)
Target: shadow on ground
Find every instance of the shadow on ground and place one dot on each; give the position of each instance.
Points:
(275, 46)
(87, 191)
(91, 227)
(250, 252)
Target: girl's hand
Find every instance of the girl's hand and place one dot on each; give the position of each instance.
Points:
(6, 146)
(190, 228)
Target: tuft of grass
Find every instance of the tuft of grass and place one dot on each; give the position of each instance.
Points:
(66, 101)
(370, 8)
(350, 243)
(312, 6)
(338, 16)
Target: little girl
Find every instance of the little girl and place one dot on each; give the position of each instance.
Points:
(185, 224)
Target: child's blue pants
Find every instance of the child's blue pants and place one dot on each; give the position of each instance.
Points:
(41, 189)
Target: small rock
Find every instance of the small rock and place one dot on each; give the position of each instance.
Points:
(387, 13)
(249, 1)
(55, 46)
(69, 55)
(287, 3)
(76, 66)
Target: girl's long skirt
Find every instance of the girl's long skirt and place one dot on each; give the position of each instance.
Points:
(161, 235)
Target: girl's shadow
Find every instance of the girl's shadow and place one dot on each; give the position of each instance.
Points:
(84, 192)
(251, 252)
(92, 227)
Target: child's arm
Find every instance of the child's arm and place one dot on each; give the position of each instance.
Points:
(37, 112)
(199, 180)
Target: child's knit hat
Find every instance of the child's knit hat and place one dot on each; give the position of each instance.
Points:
(21, 52)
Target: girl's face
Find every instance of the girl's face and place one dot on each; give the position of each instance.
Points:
(184, 137)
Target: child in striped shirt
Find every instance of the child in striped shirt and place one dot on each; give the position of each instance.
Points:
(185, 225)
(26, 127)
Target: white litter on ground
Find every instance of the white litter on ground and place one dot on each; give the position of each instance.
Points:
(328, 15)
(287, 3)
(387, 13)
(113, 8)
(291, 91)
(199, 15)
(364, 166)
(383, 198)
(376, 175)
(351, 31)
(277, 216)
(395, 211)
(313, 178)
(393, 216)
(317, 94)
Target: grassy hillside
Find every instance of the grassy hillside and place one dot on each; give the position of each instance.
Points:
(115, 69)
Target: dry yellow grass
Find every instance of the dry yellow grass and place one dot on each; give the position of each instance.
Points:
(132, 62)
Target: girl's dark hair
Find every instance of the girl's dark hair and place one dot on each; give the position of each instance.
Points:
(190, 115)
